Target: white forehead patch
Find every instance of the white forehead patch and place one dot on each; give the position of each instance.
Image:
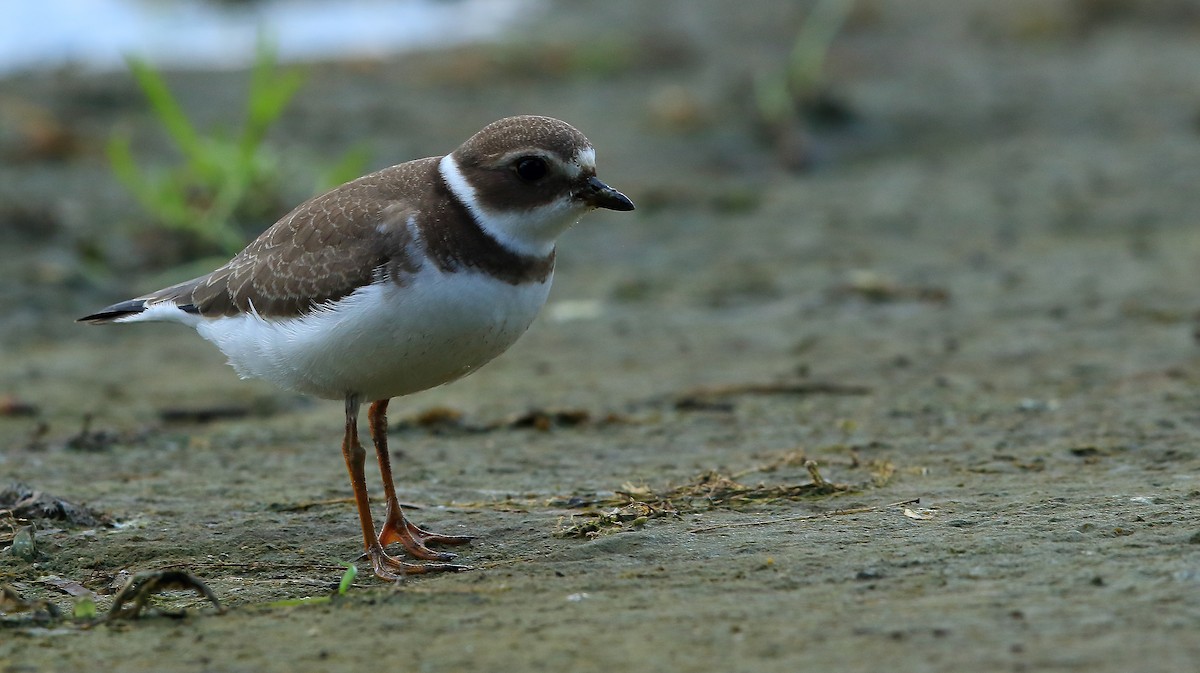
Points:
(586, 159)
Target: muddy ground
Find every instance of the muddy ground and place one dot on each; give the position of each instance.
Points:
(978, 290)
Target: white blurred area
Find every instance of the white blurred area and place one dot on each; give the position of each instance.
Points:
(96, 35)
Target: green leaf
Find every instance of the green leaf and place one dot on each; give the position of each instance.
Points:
(85, 607)
(347, 578)
(270, 92)
(806, 67)
(293, 602)
(158, 197)
(169, 113)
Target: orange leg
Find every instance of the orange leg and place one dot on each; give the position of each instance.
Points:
(385, 566)
(396, 528)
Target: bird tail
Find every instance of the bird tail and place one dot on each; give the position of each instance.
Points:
(170, 304)
(115, 312)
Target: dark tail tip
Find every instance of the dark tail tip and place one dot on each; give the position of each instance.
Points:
(111, 313)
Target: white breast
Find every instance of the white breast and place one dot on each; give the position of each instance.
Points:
(383, 340)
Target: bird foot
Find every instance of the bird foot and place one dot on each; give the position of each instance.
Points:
(415, 539)
(393, 569)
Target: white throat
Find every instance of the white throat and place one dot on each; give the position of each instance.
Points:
(527, 232)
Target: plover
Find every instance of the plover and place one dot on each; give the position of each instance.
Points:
(393, 283)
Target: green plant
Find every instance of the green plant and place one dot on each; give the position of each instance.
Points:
(347, 578)
(803, 78)
(85, 607)
(225, 187)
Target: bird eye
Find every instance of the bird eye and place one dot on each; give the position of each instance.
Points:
(531, 169)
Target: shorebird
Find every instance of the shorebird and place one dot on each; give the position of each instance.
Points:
(396, 282)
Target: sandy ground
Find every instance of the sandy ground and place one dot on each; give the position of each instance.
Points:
(981, 295)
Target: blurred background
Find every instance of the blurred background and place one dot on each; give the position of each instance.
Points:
(958, 239)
